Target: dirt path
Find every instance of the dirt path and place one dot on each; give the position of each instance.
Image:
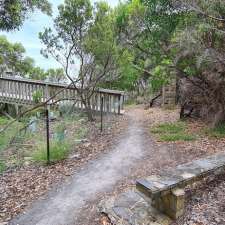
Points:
(63, 204)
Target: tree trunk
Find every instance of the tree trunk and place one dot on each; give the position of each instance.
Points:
(219, 116)
(182, 112)
(154, 99)
(88, 110)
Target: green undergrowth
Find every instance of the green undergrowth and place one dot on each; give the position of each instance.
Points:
(9, 133)
(81, 133)
(3, 121)
(176, 131)
(2, 166)
(58, 151)
(130, 102)
(66, 132)
(216, 132)
(31, 146)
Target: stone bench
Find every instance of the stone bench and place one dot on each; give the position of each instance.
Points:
(166, 190)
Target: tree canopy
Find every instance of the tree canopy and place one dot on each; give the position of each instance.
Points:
(137, 46)
(13, 59)
(83, 41)
(14, 12)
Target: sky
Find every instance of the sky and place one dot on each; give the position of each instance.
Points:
(28, 34)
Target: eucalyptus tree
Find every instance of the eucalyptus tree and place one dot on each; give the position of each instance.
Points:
(187, 37)
(12, 58)
(14, 12)
(199, 55)
(83, 42)
(146, 28)
(56, 75)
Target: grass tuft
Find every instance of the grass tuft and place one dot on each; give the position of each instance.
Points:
(177, 137)
(3, 121)
(2, 166)
(217, 132)
(58, 151)
(172, 132)
(169, 128)
(6, 136)
(81, 133)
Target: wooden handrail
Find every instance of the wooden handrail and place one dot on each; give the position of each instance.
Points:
(22, 91)
(44, 83)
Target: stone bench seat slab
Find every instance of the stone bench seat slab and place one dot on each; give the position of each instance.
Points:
(180, 176)
(156, 183)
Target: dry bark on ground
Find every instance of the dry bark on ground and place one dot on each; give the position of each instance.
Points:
(20, 186)
(205, 205)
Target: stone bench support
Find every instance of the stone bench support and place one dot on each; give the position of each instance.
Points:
(166, 189)
(172, 204)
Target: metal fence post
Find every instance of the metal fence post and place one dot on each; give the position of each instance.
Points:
(119, 97)
(102, 102)
(47, 136)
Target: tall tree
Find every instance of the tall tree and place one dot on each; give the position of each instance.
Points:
(83, 42)
(146, 28)
(56, 75)
(14, 12)
(199, 55)
(12, 57)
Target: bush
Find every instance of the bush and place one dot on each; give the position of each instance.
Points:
(58, 151)
(37, 96)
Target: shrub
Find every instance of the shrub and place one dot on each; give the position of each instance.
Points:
(37, 96)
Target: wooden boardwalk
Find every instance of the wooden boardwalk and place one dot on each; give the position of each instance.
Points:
(23, 91)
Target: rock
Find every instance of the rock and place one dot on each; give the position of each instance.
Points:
(75, 156)
(86, 145)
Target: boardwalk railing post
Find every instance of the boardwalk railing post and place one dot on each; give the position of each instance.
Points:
(102, 102)
(47, 136)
